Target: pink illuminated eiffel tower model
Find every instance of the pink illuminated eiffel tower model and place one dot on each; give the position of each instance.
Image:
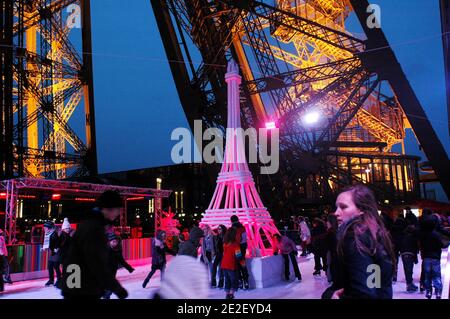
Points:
(235, 192)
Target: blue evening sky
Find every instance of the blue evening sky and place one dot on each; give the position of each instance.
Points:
(137, 105)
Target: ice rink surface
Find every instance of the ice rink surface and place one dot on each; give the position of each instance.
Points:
(310, 288)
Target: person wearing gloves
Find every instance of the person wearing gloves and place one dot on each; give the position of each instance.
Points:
(185, 278)
(287, 248)
(51, 245)
(159, 250)
(89, 251)
(190, 246)
(115, 258)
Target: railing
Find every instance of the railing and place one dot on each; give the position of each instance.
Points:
(30, 257)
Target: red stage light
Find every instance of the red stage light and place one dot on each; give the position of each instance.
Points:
(80, 199)
(27, 196)
(135, 198)
(56, 196)
(2, 195)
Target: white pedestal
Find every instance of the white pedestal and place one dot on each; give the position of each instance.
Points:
(266, 271)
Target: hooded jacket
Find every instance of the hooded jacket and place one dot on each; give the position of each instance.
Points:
(429, 239)
(190, 247)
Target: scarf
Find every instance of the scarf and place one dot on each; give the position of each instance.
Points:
(47, 239)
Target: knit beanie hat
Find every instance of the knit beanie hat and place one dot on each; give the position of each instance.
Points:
(66, 224)
(185, 278)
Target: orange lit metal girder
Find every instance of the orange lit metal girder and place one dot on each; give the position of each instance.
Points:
(32, 105)
(311, 51)
(59, 85)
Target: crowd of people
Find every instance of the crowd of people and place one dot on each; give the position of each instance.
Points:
(222, 254)
(346, 245)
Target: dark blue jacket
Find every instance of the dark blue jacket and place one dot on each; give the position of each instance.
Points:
(159, 254)
(352, 269)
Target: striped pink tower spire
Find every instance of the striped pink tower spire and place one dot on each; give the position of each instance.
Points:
(235, 192)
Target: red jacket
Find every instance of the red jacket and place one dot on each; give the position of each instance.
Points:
(231, 255)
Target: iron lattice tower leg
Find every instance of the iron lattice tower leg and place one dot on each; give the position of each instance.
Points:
(297, 57)
(46, 79)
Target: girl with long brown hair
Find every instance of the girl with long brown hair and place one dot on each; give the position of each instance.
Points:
(364, 262)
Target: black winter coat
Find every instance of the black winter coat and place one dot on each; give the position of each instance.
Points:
(190, 246)
(159, 254)
(218, 246)
(89, 250)
(430, 245)
(410, 241)
(54, 247)
(319, 239)
(116, 260)
(352, 271)
(397, 232)
(65, 240)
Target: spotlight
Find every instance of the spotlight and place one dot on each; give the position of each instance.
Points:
(270, 125)
(311, 117)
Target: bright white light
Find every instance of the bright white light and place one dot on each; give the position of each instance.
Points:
(270, 125)
(311, 117)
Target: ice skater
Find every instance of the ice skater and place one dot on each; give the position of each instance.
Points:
(3, 256)
(52, 245)
(319, 246)
(430, 250)
(115, 259)
(287, 248)
(218, 248)
(305, 236)
(241, 238)
(89, 251)
(232, 254)
(159, 250)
